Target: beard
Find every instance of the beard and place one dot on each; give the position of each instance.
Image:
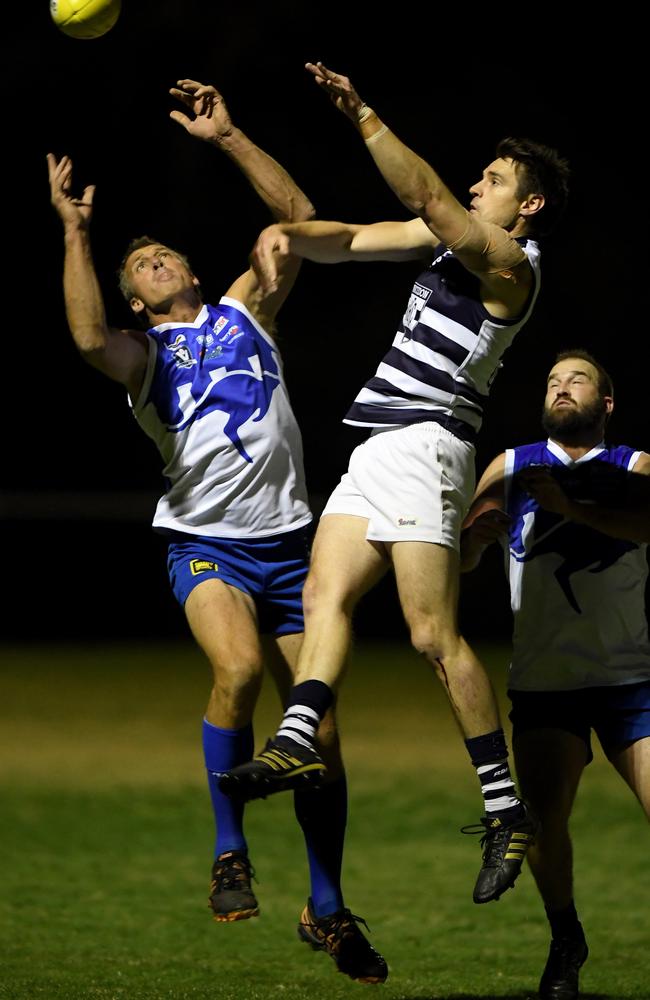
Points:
(575, 421)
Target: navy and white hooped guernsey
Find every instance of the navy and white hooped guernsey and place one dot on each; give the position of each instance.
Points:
(577, 595)
(215, 404)
(445, 354)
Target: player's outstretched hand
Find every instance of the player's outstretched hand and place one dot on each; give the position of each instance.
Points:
(489, 526)
(72, 211)
(272, 244)
(543, 487)
(211, 121)
(339, 88)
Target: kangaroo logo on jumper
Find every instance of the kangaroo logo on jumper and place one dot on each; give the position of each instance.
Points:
(181, 352)
(418, 300)
(580, 547)
(244, 391)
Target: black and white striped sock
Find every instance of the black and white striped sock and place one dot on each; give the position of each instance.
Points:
(308, 703)
(497, 786)
(489, 755)
(299, 724)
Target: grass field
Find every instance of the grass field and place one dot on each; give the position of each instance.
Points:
(106, 838)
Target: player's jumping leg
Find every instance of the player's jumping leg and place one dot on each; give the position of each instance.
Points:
(344, 567)
(326, 924)
(223, 621)
(427, 581)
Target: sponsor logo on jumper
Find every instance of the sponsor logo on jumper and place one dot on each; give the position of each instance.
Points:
(214, 353)
(205, 339)
(202, 566)
(181, 352)
(232, 334)
(219, 325)
(402, 521)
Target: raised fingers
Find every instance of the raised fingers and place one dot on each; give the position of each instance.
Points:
(180, 118)
(189, 85)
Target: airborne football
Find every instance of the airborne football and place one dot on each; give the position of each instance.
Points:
(85, 18)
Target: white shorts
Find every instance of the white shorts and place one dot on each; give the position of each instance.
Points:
(413, 483)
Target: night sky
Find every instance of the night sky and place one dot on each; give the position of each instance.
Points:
(450, 83)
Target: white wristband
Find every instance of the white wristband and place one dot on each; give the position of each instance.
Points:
(377, 135)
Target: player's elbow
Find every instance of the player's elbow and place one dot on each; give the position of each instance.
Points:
(301, 210)
(423, 200)
(90, 342)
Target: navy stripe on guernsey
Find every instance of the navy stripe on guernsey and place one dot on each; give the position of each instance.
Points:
(445, 354)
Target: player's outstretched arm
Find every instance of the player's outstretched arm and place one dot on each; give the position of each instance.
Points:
(415, 182)
(208, 119)
(630, 521)
(120, 354)
(334, 242)
(482, 247)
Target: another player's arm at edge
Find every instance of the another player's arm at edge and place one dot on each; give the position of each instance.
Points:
(119, 354)
(632, 523)
(486, 521)
(335, 242)
(285, 200)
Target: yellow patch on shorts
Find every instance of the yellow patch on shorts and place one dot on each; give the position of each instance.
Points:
(202, 566)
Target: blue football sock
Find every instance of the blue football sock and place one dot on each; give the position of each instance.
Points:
(223, 749)
(322, 814)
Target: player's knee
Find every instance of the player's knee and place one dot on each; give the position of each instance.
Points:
(238, 682)
(321, 594)
(430, 639)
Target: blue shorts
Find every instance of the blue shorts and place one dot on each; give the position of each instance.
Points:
(619, 715)
(270, 570)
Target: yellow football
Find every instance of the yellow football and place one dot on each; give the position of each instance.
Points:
(85, 18)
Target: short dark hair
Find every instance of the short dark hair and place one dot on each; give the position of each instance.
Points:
(605, 384)
(540, 170)
(137, 244)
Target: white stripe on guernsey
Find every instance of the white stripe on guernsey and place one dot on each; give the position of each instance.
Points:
(420, 352)
(633, 460)
(482, 768)
(292, 735)
(413, 385)
(499, 805)
(302, 710)
(405, 382)
(449, 328)
(378, 398)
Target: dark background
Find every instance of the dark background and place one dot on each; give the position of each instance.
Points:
(80, 480)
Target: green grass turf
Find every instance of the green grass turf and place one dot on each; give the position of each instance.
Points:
(106, 835)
